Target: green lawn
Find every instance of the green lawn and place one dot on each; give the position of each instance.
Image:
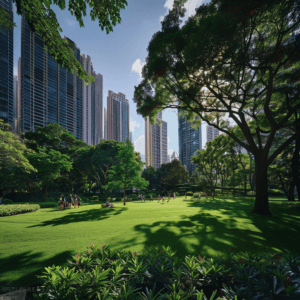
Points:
(32, 241)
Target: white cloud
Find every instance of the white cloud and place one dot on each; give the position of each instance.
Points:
(139, 144)
(133, 124)
(169, 4)
(137, 67)
(190, 7)
(161, 19)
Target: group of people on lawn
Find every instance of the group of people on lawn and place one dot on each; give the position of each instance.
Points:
(63, 202)
(76, 201)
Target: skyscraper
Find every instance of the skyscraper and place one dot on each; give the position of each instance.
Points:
(92, 98)
(211, 133)
(190, 140)
(48, 92)
(174, 156)
(117, 117)
(17, 129)
(15, 102)
(6, 68)
(156, 147)
(105, 123)
(130, 136)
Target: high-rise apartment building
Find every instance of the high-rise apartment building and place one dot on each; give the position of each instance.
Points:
(130, 136)
(211, 133)
(174, 156)
(105, 123)
(190, 140)
(117, 117)
(17, 123)
(156, 147)
(15, 103)
(6, 68)
(92, 98)
(48, 92)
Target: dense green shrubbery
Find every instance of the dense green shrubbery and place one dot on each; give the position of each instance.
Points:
(274, 192)
(195, 195)
(133, 196)
(14, 209)
(7, 201)
(101, 273)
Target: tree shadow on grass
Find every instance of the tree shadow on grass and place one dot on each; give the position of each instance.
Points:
(205, 233)
(15, 263)
(76, 216)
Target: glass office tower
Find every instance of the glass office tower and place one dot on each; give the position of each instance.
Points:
(190, 140)
(48, 92)
(6, 68)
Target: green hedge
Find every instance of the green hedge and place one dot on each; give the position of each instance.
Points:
(14, 209)
(157, 271)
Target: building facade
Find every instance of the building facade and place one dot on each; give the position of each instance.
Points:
(117, 117)
(48, 92)
(6, 68)
(105, 123)
(211, 133)
(174, 156)
(92, 99)
(156, 138)
(190, 140)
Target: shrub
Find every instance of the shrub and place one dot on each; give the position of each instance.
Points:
(133, 196)
(9, 210)
(7, 201)
(275, 192)
(118, 198)
(195, 195)
(218, 191)
(126, 275)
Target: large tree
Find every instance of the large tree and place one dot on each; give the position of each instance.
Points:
(236, 59)
(42, 20)
(173, 173)
(12, 157)
(55, 137)
(126, 173)
(49, 165)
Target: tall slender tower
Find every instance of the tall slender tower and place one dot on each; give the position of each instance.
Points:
(156, 147)
(6, 68)
(117, 117)
(190, 140)
(92, 96)
(105, 123)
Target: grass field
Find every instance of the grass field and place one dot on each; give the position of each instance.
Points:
(32, 241)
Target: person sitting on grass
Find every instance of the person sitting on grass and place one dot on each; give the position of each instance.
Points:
(163, 200)
(61, 202)
(76, 201)
(70, 200)
(158, 198)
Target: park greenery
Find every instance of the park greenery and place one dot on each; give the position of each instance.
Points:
(235, 65)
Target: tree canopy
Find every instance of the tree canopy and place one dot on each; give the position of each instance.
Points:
(233, 59)
(42, 20)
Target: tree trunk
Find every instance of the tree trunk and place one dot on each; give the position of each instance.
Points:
(261, 206)
(245, 184)
(291, 190)
(125, 195)
(46, 193)
(295, 164)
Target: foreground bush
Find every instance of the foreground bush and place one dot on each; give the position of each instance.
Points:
(9, 210)
(101, 273)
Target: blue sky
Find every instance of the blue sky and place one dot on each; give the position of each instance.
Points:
(119, 56)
